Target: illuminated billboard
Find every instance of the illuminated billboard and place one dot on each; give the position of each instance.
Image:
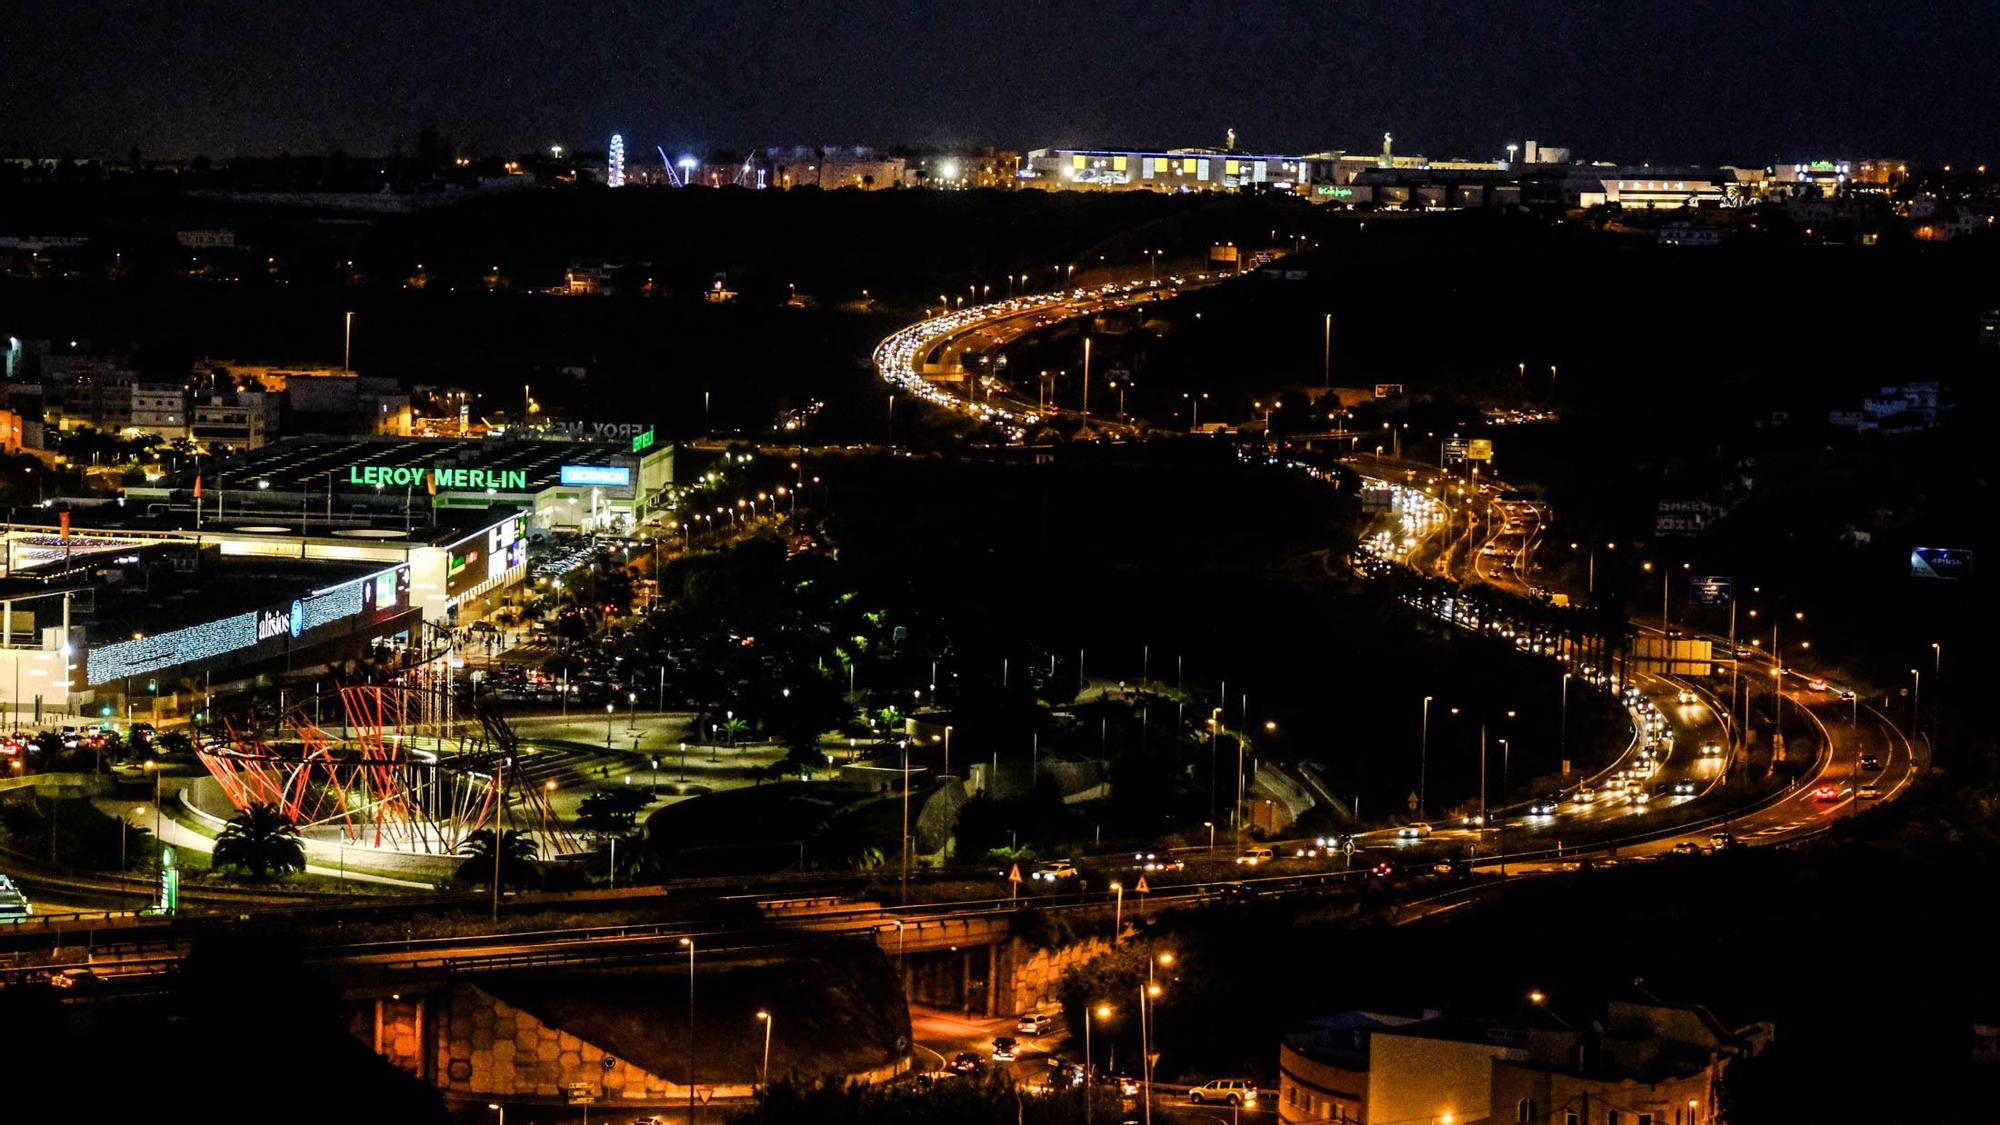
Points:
(609, 476)
(386, 591)
(1940, 562)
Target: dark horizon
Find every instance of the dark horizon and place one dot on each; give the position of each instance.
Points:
(1703, 83)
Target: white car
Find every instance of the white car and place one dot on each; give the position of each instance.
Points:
(1251, 857)
(1224, 1091)
(1054, 870)
(1415, 830)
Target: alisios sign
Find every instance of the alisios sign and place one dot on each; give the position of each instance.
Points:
(400, 476)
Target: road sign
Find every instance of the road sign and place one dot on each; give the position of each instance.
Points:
(1711, 590)
(610, 1062)
(1479, 449)
(1142, 888)
(1412, 801)
(1014, 874)
(1454, 450)
(704, 1093)
(1940, 562)
(1347, 846)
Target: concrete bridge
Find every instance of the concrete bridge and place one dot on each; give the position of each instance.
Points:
(965, 957)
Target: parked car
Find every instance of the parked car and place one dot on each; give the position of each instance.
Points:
(1224, 1091)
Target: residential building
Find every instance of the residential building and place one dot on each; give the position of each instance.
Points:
(159, 408)
(1904, 408)
(852, 167)
(1689, 234)
(1180, 169)
(1645, 1063)
(1323, 1069)
(1648, 188)
(237, 420)
(962, 168)
(1635, 1061)
(221, 238)
(1439, 1068)
(328, 399)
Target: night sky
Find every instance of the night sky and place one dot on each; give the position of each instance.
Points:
(1749, 81)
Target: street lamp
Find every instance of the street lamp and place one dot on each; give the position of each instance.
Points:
(764, 1079)
(689, 943)
(1118, 915)
(1424, 757)
(1102, 1012)
(610, 709)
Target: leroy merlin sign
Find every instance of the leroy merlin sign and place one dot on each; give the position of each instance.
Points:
(398, 476)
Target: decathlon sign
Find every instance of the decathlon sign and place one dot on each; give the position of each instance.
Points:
(613, 476)
(401, 476)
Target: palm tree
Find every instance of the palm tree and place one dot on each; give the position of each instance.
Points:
(262, 841)
(518, 852)
(733, 727)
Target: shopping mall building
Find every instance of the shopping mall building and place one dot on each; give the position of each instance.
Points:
(301, 557)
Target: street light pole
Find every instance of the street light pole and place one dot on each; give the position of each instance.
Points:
(1086, 380)
(1103, 1012)
(689, 942)
(906, 821)
(764, 1079)
(1562, 730)
(1326, 356)
(1424, 759)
